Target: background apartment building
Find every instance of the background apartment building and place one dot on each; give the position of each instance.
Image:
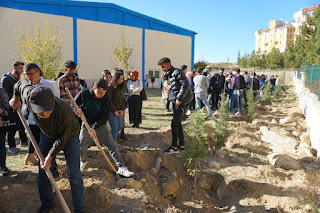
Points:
(301, 16)
(279, 35)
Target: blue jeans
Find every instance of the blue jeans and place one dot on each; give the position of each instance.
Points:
(200, 97)
(72, 155)
(3, 153)
(239, 100)
(116, 123)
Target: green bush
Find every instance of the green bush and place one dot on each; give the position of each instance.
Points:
(251, 105)
(266, 97)
(277, 92)
(195, 147)
(221, 124)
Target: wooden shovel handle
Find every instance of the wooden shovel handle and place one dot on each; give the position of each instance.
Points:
(88, 128)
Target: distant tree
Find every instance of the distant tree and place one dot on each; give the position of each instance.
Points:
(203, 64)
(257, 59)
(42, 47)
(275, 59)
(238, 57)
(244, 61)
(122, 51)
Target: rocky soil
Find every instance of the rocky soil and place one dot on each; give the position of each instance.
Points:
(266, 166)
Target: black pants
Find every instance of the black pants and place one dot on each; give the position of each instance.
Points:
(135, 105)
(22, 136)
(177, 131)
(36, 134)
(216, 98)
(192, 105)
(168, 104)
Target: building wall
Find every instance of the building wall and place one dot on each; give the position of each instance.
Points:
(161, 44)
(95, 44)
(11, 19)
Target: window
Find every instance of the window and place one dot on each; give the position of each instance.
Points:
(155, 73)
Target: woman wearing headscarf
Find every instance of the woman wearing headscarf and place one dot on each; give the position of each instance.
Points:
(134, 86)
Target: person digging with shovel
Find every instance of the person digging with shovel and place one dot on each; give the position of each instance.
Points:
(59, 131)
(95, 104)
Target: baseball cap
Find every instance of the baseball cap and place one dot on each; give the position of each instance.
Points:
(41, 99)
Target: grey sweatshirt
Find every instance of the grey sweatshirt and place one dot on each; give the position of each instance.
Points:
(201, 84)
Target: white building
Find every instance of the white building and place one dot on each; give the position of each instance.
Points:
(301, 16)
(89, 30)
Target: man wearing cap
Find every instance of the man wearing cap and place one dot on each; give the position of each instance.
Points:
(69, 80)
(59, 131)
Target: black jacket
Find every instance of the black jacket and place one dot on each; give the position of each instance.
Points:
(180, 86)
(96, 110)
(220, 79)
(213, 84)
(240, 83)
(7, 83)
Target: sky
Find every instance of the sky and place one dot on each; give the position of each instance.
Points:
(223, 27)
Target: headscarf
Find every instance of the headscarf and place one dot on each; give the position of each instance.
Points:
(136, 75)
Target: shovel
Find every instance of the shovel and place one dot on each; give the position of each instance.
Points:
(47, 170)
(94, 139)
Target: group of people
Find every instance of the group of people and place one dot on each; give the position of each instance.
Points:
(55, 121)
(56, 125)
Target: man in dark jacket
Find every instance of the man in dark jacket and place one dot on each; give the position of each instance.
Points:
(59, 131)
(238, 91)
(7, 82)
(218, 88)
(183, 93)
(95, 104)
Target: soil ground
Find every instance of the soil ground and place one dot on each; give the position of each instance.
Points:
(241, 180)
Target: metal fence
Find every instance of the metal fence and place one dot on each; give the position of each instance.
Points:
(312, 77)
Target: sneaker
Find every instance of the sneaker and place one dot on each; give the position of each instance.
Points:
(171, 150)
(4, 171)
(180, 148)
(46, 209)
(238, 113)
(83, 165)
(122, 135)
(23, 144)
(13, 150)
(124, 171)
(188, 112)
(168, 110)
(230, 113)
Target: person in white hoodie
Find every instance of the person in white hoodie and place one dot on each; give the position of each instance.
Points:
(201, 85)
(135, 103)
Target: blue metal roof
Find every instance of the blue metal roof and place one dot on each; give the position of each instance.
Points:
(94, 11)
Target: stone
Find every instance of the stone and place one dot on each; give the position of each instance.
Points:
(204, 182)
(129, 182)
(305, 138)
(254, 122)
(214, 164)
(157, 166)
(236, 159)
(278, 143)
(170, 188)
(31, 178)
(264, 129)
(274, 121)
(283, 161)
(5, 188)
(284, 120)
(220, 153)
(17, 186)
